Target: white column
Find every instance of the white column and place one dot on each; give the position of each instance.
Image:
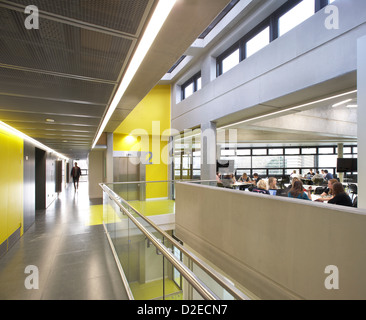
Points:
(340, 155)
(208, 151)
(361, 128)
(109, 158)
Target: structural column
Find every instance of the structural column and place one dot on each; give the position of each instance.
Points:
(340, 155)
(361, 117)
(109, 158)
(208, 151)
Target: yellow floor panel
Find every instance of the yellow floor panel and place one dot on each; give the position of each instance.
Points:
(94, 216)
(154, 207)
(154, 290)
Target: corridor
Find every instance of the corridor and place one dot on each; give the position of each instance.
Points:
(70, 250)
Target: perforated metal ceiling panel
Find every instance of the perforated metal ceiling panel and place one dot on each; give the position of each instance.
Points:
(68, 70)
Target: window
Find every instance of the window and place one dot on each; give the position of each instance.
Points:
(188, 90)
(243, 152)
(292, 151)
(258, 152)
(288, 16)
(257, 42)
(275, 151)
(230, 61)
(304, 10)
(191, 86)
(326, 150)
(308, 150)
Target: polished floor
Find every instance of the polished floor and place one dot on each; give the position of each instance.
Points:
(67, 255)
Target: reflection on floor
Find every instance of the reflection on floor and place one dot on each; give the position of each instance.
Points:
(154, 207)
(154, 290)
(147, 208)
(68, 248)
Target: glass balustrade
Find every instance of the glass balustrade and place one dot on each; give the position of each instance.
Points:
(155, 264)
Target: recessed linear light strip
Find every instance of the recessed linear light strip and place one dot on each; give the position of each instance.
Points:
(29, 139)
(289, 109)
(157, 20)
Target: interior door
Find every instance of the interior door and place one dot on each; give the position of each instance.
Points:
(125, 169)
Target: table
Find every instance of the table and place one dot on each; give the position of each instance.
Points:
(237, 184)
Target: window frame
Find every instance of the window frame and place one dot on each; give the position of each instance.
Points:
(193, 80)
(272, 21)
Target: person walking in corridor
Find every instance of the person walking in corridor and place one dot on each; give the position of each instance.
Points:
(76, 173)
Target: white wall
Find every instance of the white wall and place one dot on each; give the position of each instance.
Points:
(96, 159)
(276, 247)
(306, 56)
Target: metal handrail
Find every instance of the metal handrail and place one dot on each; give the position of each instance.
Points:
(196, 283)
(236, 293)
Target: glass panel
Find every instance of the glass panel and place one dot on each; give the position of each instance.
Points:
(188, 90)
(177, 161)
(261, 173)
(186, 161)
(243, 152)
(275, 172)
(257, 42)
(326, 150)
(292, 151)
(267, 162)
(308, 150)
(275, 151)
(196, 162)
(296, 16)
(228, 152)
(258, 152)
(240, 172)
(215, 287)
(326, 161)
(199, 83)
(242, 162)
(303, 161)
(231, 61)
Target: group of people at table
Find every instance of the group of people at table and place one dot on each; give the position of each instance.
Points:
(334, 192)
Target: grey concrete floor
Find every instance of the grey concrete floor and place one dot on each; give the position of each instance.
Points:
(71, 259)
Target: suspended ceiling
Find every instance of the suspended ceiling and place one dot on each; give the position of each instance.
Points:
(57, 81)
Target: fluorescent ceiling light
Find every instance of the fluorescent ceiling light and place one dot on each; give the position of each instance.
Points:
(352, 106)
(289, 109)
(157, 20)
(29, 139)
(340, 103)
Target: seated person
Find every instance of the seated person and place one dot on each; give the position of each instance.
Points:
(262, 187)
(228, 180)
(328, 193)
(244, 178)
(310, 173)
(218, 178)
(340, 196)
(294, 174)
(317, 178)
(256, 178)
(328, 175)
(297, 191)
(272, 183)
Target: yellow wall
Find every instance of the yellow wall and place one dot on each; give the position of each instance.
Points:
(11, 184)
(151, 116)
